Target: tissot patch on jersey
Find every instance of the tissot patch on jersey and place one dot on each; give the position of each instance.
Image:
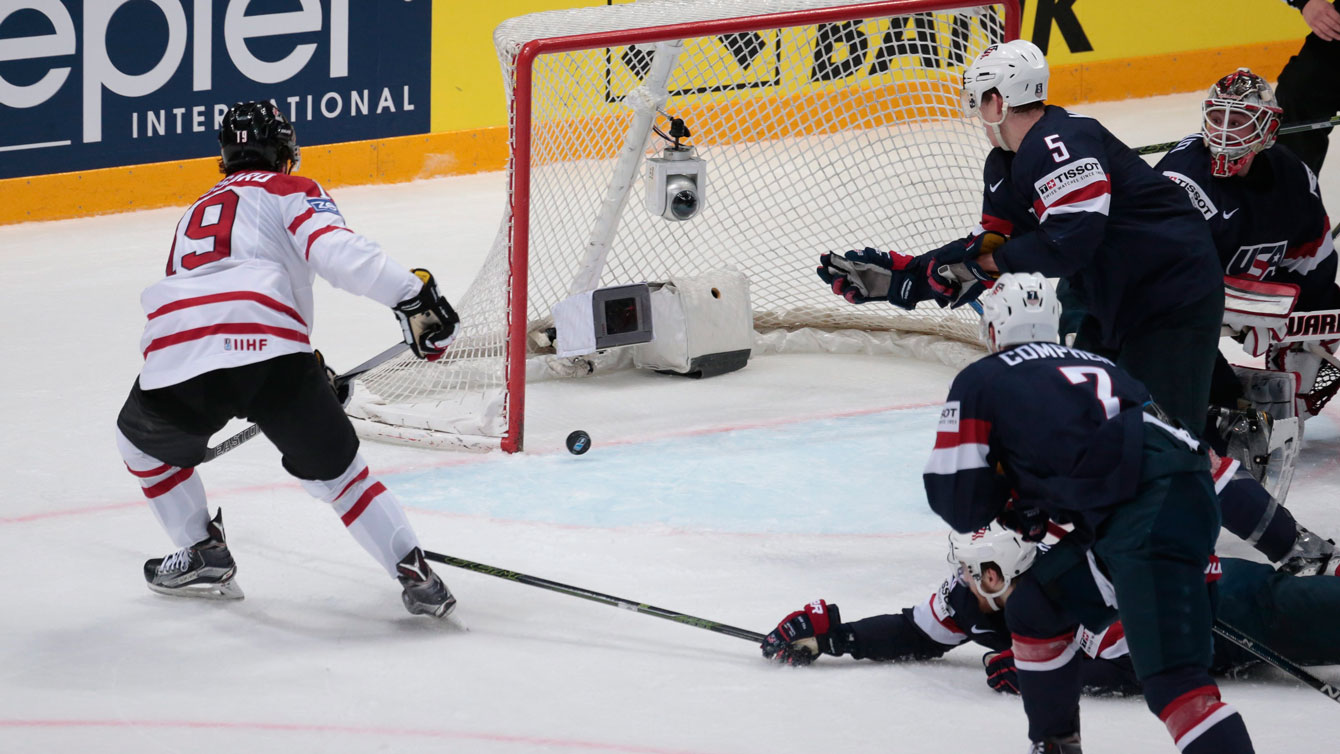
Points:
(323, 204)
(1066, 179)
(940, 607)
(1199, 199)
(949, 416)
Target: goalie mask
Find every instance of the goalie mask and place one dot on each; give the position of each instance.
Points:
(1239, 118)
(1022, 307)
(1016, 69)
(992, 547)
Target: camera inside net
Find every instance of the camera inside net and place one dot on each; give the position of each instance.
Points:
(676, 183)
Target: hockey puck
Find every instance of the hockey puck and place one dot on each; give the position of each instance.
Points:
(579, 442)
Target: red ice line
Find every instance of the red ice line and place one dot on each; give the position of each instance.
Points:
(347, 729)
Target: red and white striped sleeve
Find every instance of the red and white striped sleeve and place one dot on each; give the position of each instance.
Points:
(347, 260)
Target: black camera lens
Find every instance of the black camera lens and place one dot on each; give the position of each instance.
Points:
(684, 204)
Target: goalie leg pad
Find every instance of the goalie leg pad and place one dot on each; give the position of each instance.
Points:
(1268, 437)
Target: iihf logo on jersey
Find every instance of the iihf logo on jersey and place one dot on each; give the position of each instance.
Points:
(245, 344)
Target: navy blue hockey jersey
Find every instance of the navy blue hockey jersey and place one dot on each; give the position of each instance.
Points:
(1077, 203)
(1267, 225)
(1054, 427)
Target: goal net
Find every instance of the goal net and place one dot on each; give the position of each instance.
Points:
(825, 126)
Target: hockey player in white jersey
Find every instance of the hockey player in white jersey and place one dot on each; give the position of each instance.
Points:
(228, 336)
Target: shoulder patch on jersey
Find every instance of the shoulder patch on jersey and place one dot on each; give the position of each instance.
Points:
(1067, 178)
(323, 204)
(949, 416)
(940, 607)
(1199, 198)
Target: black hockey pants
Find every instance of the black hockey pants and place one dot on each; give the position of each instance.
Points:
(1309, 89)
(288, 396)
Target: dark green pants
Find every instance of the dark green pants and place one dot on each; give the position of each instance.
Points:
(1155, 550)
(1172, 354)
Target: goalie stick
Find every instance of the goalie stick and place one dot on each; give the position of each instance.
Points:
(587, 594)
(1272, 657)
(255, 429)
(1292, 128)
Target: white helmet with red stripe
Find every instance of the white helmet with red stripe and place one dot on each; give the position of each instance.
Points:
(993, 546)
(1239, 118)
(1022, 307)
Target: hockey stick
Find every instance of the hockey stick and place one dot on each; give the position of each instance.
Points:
(587, 594)
(255, 429)
(1293, 128)
(1274, 658)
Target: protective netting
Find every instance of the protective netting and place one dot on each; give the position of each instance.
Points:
(817, 137)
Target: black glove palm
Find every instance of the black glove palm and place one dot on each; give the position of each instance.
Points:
(427, 320)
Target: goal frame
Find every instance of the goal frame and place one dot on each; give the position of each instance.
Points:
(519, 142)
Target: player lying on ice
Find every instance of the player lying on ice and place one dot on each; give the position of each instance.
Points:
(228, 336)
(1039, 433)
(1297, 616)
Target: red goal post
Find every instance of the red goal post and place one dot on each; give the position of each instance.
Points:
(876, 112)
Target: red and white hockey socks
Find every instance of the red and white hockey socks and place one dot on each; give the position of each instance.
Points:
(1202, 724)
(370, 512)
(175, 494)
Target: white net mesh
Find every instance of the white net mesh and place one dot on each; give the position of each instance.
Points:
(817, 137)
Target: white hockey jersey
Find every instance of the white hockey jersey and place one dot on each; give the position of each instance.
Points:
(239, 277)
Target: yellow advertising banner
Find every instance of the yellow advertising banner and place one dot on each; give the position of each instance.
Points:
(1098, 50)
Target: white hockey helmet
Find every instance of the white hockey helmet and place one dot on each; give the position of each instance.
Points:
(992, 545)
(1022, 307)
(1017, 69)
(1239, 118)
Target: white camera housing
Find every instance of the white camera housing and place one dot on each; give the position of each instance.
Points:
(676, 184)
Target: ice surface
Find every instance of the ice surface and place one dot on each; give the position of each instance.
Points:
(736, 499)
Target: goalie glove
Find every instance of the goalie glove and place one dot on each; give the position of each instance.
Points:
(427, 320)
(805, 634)
(955, 276)
(870, 274)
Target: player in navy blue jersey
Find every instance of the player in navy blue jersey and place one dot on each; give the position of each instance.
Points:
(1064, 197)
(1265, 212)
(1276, 609)
(1037, 433)
(1310, 82)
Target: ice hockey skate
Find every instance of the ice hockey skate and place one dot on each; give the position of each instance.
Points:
(1311, 555)
(425, 593)
(204, 570)
(1068, 745)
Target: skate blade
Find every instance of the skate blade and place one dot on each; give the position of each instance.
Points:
(226, 590)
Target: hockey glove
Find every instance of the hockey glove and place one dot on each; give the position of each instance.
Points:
(803, 635)
(343, 390)
(1031, 523)
(1000, 673)
(427, 320)
(955, 274)
(869, 274)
